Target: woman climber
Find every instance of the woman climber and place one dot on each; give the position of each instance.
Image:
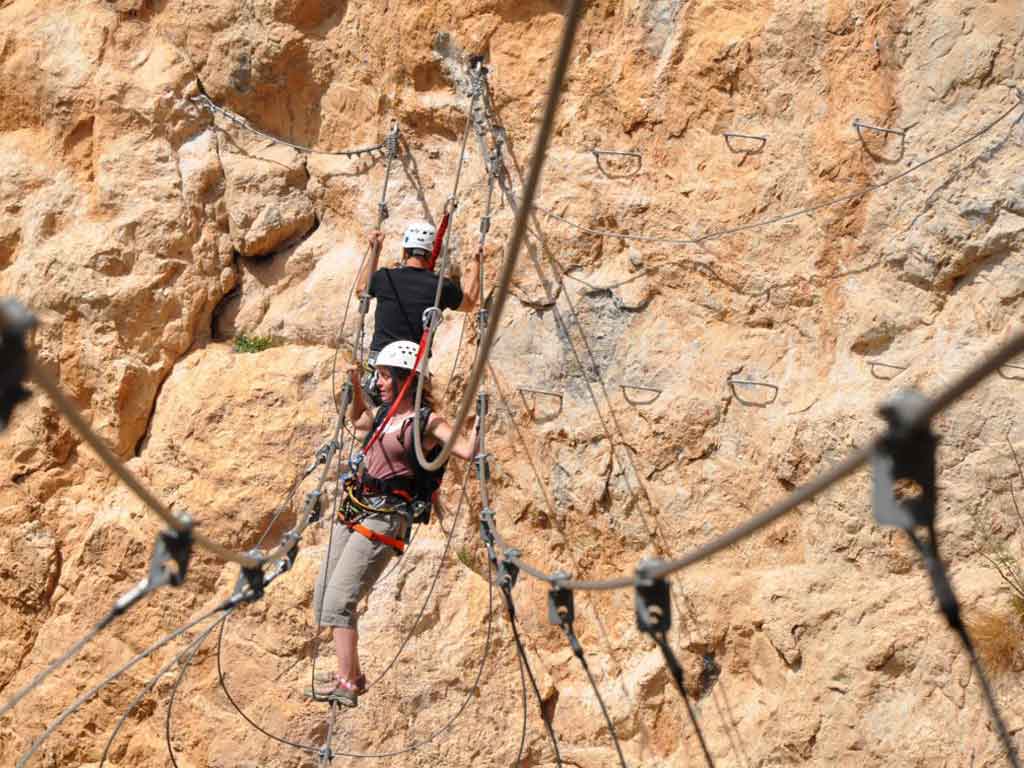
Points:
(403, 293)
(378, 508)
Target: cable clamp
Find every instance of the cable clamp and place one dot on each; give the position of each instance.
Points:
(171, 547)
(487, 526)
(508, 571)
(432, 317)
(652, 599)
(561, 609)
(903, 490)
(481, 318)
(251, 581)
(483, 466)
(382, 212)
(314, 509)
(485, 225)
(326, 451)
(391, 142)
(15, 323)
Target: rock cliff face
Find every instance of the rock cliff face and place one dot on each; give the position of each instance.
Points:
(147, 232)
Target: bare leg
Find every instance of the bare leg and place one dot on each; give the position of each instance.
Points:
(346, 646)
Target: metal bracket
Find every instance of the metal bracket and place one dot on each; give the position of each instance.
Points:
(15, 322)
(1011, 376)
(729, 135)
(627, 387)
(599, 153)
(652, 600)
(532, 409)
(172, 546)
(905, 456)
(751, 383)
(859, 127)
(889, 366)
(314, 508)
(508, 571)
(561, 608)
(326, 451)
(251, 581)
(486, 526)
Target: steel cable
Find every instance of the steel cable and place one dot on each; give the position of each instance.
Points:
(504, 282)
(188, 653)
(89, 694)
(786, 216)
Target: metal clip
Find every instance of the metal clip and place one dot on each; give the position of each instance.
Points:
(728, 135)
(251, 581)
(1011, 376)
(749, 382)
(486, 526)
(627, 387)
(652, 600)
(313, 507)
(508, 571)
(888, 366)
(906, 453)
(15, 323)
(391, 142)
(561, 608)
(432, 317)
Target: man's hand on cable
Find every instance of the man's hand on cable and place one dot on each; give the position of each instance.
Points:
(376, 238)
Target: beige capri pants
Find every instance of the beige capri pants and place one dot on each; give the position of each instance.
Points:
(354, 563)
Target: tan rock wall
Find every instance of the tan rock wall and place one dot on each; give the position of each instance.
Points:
(146, 233)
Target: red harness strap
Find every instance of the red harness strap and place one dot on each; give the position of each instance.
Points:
(372, 535)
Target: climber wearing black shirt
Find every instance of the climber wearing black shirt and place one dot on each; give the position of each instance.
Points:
(404, 292)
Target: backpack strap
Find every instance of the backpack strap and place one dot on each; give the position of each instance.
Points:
(401, 306)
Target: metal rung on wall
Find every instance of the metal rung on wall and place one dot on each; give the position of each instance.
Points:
(1018, 376)
(599, 153)
(859, 127)
(730, 135)
(523, 391)
(876, 364)
(626, 388)
(749, 382)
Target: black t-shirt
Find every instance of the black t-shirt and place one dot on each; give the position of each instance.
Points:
(416, 289)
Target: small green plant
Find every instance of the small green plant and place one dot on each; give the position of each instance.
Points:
(246, 343)
(467, 558)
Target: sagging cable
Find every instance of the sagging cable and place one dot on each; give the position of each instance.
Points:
(654, 617)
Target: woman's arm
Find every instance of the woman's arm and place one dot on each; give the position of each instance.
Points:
(357, 412)
(463, 446)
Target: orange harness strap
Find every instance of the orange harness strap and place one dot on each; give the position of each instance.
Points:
(372, 535)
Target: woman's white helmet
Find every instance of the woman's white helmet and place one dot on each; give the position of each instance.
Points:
(420, 236)
(398, 354)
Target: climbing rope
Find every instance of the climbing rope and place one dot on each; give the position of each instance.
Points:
(203, 100)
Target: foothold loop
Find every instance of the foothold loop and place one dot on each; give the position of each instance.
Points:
(652, 600)
(903, 490)
(15, 323)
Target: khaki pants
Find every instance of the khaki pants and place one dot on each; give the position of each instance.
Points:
(353, 564)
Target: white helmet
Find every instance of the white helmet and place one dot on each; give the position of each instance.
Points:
(398, 354)
(419, 235)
